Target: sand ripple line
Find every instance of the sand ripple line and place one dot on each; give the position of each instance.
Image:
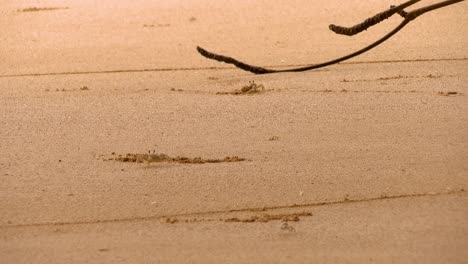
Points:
(346, 200)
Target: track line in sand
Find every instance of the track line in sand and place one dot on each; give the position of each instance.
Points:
(207, 68)
(346, 200)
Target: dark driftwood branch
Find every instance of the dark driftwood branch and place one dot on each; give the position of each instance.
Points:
(408, 17)
(372, 20)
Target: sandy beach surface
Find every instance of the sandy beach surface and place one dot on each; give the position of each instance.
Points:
(361, 162)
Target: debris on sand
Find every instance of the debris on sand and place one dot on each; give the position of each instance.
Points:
(161, 157)
(250, 89)
(178, 90)
(38, 9)
(264, 218)
(448, 93)
(169, 220)
(267, 217)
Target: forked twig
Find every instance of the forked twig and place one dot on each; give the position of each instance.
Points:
(408, 17)
(372, 20)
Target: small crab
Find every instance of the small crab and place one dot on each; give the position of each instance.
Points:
(253, 88)
(286, 227)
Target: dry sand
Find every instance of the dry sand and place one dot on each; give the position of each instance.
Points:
(365, 161)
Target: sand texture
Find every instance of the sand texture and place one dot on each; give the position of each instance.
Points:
(119, 143)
